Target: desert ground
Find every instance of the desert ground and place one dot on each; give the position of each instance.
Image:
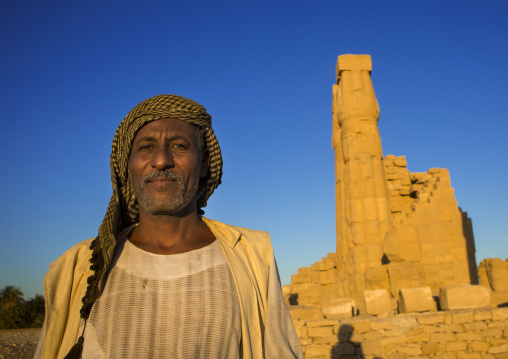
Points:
(18, 343)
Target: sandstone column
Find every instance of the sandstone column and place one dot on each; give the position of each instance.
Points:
(362, 204)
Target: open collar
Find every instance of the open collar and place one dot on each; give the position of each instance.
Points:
(227, 234)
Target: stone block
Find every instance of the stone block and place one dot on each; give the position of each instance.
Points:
(410, 349)
(429, 329)
(300, 328)
(309, 299)
(376, 301)
(411, 332)
(462, 317)
(304, 287)
(361, 326)
(328, 276)
(305, 313)
(325, 340)
(381, 324)
(451, 328)
(371, 348)
(499, 313)
(482, 314)
(391, 350)
(477, 346)
(482, 275)
(353, 62)
(419, 338)
(376, 277)
(303, 270)
(319, 331)
(402, 244)
(498, 349)
(499, 298)
(497, 324)
(404, 191)
(325, 264)
(497, 341)
(317, 351)
(315, 267)
(468, 336)
(469, 327)
(445, 356)
(405, 275)
(431, 318)
(497, 272)
(394, 340)
(492, 333)
(372, 335)
(322, 323)
(400, 161)
(299, 278)
(432, 348)
(464, 296)
(417, 300)
(456, 346)
(335, 308)
(393, 333)
(442, 337)
(468, 355)
(404, 322)
(305, 341)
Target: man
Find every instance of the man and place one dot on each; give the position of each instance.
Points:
(165, 282)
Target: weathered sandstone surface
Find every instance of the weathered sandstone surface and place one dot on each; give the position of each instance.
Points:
(403, 281)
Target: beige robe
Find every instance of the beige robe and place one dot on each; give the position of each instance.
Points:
(250, 258)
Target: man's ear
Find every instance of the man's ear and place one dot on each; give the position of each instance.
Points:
(204, 163)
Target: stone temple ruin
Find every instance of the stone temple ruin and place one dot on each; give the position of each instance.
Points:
(403, 245)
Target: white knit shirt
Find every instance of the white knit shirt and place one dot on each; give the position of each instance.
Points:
(179, 306)
(166, 306)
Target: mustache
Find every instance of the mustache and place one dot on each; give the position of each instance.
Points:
(166, 174)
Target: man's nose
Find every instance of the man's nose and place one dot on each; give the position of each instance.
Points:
(162, 158)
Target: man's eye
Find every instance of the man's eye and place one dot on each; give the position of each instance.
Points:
(145, 147)
(179, 146)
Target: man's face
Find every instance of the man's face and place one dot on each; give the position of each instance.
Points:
(165, 166)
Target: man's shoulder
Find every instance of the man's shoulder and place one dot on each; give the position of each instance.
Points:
(233, 234)
(76, 256)
(251, 240)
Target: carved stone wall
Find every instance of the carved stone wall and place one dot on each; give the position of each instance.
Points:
(428, 235)
(493, 274)
(395, 229)
(470, 334)
(363, 212)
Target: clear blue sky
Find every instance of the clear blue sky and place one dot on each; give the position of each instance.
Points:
(70, 71)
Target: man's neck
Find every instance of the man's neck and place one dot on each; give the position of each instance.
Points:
(163, 234)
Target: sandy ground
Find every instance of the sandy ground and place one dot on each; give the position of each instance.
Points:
(18, 343)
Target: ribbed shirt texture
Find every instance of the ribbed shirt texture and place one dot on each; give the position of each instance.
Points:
(166, 306)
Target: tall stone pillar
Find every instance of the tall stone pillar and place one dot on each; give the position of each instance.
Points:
(362, 203)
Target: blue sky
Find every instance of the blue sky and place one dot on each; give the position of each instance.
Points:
(70, 71)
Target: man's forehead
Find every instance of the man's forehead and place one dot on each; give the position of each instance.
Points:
(164, 125)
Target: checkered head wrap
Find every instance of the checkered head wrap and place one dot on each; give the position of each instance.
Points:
(123, 206)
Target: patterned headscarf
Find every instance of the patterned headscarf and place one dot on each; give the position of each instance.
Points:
(123, 207)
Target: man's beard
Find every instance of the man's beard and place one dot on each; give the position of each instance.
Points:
(179, 200)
